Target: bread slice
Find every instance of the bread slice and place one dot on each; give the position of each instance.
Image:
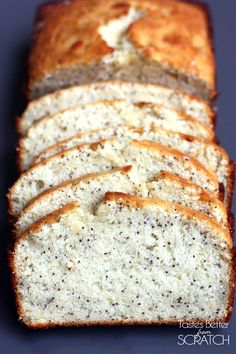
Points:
(88, 191)
(172, 188)
(145, 41)
(149, 159)
(65, 124)
(100, 91)
(211, 155)
(134, 261)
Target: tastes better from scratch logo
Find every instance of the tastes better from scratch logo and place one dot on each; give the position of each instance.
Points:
(205, 334)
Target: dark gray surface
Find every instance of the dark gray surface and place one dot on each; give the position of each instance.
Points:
(16, 18)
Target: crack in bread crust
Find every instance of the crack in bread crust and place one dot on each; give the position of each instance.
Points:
(180, 56)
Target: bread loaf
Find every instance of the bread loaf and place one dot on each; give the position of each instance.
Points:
(122, 211)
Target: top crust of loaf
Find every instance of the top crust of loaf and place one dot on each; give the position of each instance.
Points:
(172, 33)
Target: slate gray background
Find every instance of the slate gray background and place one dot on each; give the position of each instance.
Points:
(16, 17)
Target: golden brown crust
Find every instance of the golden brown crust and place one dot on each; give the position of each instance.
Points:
(173, 33)
(9, 194)
(141, 144)
(230, 183)
(178, 155)
(207, 127)
(204, 196)
(177, 45)
(120, 323)
(84, 178)
(61, 142)
(50, 218)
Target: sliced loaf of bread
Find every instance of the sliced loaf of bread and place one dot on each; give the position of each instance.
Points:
(89, 190)
(211, 155)
(66, 124)
(132, 261)
(149, 158)
(100, 91)
(164, 42)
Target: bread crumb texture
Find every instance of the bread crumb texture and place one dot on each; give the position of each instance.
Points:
(149, 158)
(144, 261)
(99, 91)
(89, 190)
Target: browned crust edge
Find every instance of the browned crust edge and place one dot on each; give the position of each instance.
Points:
(165, 150)
(122, 170)
(139, 202)
(207, 10)
(138, 104)
(231, 183)
(205, 196)
(39, 15)
(9, 196)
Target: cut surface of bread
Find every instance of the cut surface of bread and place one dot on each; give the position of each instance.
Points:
(149, 158)
(89, 190)
(132, 92)
(159, 42)
(172, 188)
(63, 125)
(211, 155)
(133, 261)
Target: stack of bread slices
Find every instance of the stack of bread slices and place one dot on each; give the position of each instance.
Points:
(122, 209)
